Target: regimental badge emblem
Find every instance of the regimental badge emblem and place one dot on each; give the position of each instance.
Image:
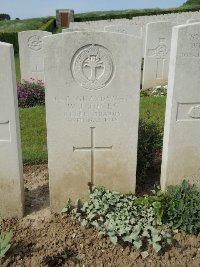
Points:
(92, 67)
(35, 43)
(195, 112)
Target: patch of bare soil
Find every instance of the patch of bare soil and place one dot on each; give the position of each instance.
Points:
(45, 239)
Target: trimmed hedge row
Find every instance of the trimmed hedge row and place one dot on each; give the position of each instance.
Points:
(12, 37)
(49, 26)
(129, 14)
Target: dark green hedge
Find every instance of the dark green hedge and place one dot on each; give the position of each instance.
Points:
(128, 14)
(11, 38)
(49, 26)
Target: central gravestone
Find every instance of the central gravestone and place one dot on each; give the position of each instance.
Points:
(92, 102)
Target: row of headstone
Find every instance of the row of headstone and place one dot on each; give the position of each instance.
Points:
(140, 21)
(176, 18)
(92, 115)
(32, 54)
(156, 49)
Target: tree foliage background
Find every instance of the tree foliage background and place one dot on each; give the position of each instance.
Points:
(192, 3)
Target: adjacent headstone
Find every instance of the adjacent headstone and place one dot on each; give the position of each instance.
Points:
(64, 17)
(126, 29)
(181, 148)
(11, 174)
(157, 51)
(31, 54)
(193, 20)
(74, 30)
(92, 109)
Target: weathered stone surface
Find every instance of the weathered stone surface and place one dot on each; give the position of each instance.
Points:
(193, 20)
(92, 101)
(31, 54)
(11, 176)
(157, 51)
(74, 30)
(126, 29)
(181, 148)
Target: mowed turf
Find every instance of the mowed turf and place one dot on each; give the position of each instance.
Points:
(33, 134)
(153, 108)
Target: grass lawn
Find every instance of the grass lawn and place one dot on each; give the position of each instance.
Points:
(22, 25)
(154, 108)
(33, 127)
(33, 134)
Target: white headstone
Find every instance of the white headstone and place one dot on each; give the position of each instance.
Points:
(181, 148)
(74, 30)
(31, 54)
(126, 29)
(11, 176)
(193, 20)
(157, 50)
(92, 108)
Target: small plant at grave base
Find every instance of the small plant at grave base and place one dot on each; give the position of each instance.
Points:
(66, 254)
(143, 93)
(159, 91)
(5, 238)
(123, 217)
(182, 208)
(155, 91)
(30, 93)
(149, 143)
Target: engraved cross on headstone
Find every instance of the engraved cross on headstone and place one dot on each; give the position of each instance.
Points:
(36, 71)
(159, 53)
(93, 62)
(92, 149)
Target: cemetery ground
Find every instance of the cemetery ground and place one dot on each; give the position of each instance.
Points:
(45, 239)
